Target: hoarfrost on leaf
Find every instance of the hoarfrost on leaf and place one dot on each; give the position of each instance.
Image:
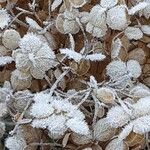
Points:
(5, 60)
(108, 3)
(133, 33)
(4, 18)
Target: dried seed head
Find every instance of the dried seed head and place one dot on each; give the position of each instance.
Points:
(103, 131)
(11, 38)
(20, 80)
(117, 18)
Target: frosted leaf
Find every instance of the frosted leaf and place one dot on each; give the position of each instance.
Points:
(141, 125)
(116, 69)
(58, 115)
(99, 31)
(105, 95)
(146, 11)
(115, 48)
(21, 98)
(103, 131)
(142, 106)
(57, 124)
(55, 4)
(81, 139)
(20, 80)
(16, 142)
(3, 51)
(78, 3)
(3, 108)
(134, 68)
(89, 27)
(5, 18)
(34, 56)
(125, 132)
(30, 43)
(5, 60)
(117, 117)
(140, 91)
(2, 129)
(133, 33)
(145, 29)
(71, 54)
(115, 144)
(66, 22)
(78, 126)
(138, 7)
(97, 16)
(33, 24)
(95, 57)
(117, 18)
(108, 3)
(10, 39)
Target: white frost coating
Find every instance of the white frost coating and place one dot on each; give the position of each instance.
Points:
(117, 17)
(134, 68)
(133, 33)
(4, 18)
(58, 115)
(116, 69)
(146, 29)
(108, 3)
(5, 60)
(137, 8)
(11, 38)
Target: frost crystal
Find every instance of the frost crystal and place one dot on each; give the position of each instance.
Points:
(5, 60)
(34, 56)
(57, 115)
(4, 18)
(146, 29)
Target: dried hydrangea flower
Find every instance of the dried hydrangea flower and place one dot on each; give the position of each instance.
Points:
(66, 22)
(34, 56)
(133, 33)
(4, 18)
(10, 39)
(97, 21)
(57, 115)
(20, 80)
(117, 17)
